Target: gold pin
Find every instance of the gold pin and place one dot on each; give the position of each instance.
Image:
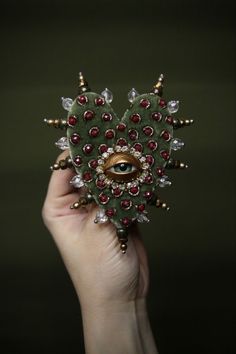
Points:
(158, 87)
(161, 204)
(81, 202)
(83, 84)
(62, 164)
(56, 123)
(176, 164)
(181, 123)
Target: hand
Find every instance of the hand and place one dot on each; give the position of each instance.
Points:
(103, 276)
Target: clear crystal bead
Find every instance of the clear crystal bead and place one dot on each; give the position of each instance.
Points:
(77, 181)
(62, 143)
(118, 148)
(66, 103)
(173, 106)
(110, 150)
(164, 181)
(132, 95)
(142, 218)
(176, 144)
(101, 217)
(107, 94)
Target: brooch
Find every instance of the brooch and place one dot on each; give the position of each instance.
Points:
(122, 162)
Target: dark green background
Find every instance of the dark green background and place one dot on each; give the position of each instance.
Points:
(44, 44)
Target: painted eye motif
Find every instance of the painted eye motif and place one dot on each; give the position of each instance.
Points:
(122, 167)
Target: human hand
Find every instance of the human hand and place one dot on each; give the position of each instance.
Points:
(104, 277)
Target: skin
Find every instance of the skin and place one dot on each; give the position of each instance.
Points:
(111, 286)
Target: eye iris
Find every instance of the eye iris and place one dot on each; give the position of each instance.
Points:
(123, 167)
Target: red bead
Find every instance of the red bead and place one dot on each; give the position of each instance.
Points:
(82, 99)
(87, 177)
(169, 120)
(160, 171)
(103, 148)
(107, 117)
(165, 135)
(148, 195)
(141, 207)
(134, 190)
(72, 120)
(126, 221)
(93, 164)
(150, 160)
(110, 212)
(135, 118)
(144, 103)
(148, 179)
(99, 101)
(152, 145)
(162, 103)
(75, 138)
(133, 134)
(109, 134)
(126, 204)
(138, 147)
(156, 116)
(88, 115)
(121, 127)
(88, 148)
(117, 192)
(100, 184)
(165, 154)
(103, 198)
(94, 131)
(77, 160)
(121, 142)
(148, 131)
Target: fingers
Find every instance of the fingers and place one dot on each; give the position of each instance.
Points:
(59, 183)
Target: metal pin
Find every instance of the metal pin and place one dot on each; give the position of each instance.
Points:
(83, 84)
(62, 164)
(181, 123)
(161, 204)
(158, 87)
(56, 123)
(81, 202)
(176, 164)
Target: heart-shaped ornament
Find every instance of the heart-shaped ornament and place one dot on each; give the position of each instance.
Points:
(121, 162)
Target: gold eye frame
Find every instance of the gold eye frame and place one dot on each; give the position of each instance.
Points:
(118, 158)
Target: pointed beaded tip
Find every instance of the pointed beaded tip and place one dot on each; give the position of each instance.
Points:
(158, 87)
(181, 123)
(83, 84)
(62, 164)
(56, 123)
(176, 164)
(162, 205)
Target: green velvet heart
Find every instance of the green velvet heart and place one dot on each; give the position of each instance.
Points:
(96, 135)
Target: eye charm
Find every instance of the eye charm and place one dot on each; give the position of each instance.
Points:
(121, 167)
(121, 170)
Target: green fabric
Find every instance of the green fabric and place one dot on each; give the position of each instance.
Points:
(83, 127)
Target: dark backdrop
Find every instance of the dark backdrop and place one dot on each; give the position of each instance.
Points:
(120, 45)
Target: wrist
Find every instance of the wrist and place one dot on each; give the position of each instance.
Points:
(112, 328)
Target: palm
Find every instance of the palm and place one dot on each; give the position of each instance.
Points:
(91, 252)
